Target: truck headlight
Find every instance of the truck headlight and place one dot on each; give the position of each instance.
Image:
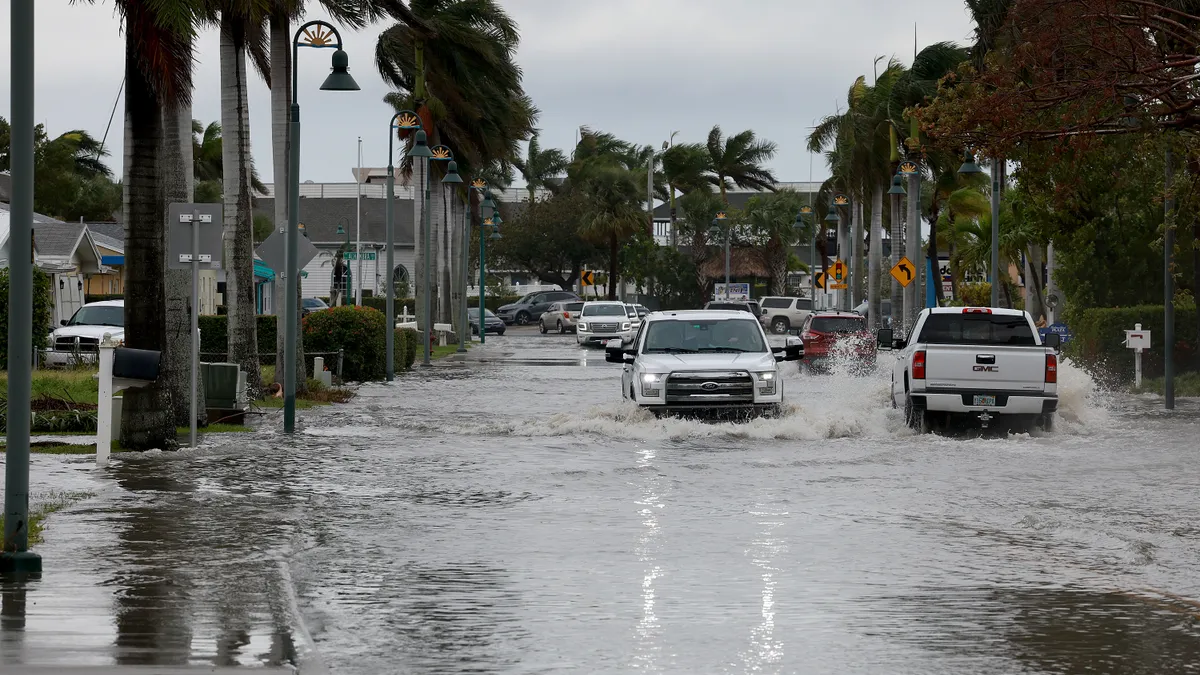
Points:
(626, 326)
(651, 384)
(766, 383)
(582, 327)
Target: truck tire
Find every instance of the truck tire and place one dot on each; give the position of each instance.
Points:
(780, 325)
(917, 419)
(1046, 422)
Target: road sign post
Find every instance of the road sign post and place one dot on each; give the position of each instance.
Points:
(1138, 340)
(195, 241)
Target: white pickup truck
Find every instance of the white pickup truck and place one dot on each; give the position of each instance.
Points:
(703, 361)
(974, 365)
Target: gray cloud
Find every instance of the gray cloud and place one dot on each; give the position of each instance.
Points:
(637, 68)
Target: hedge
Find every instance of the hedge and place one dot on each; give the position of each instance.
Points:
(214, 334)
(1099, 336)
(492, 302)
(407, 342)
(42, 303)
(358, 331)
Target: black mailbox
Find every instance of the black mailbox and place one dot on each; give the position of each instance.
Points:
(135, 364)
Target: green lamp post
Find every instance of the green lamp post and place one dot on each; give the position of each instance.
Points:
(404, 120)
(420, 149)
(318, 35)
(719, 227)
(801, 221)
(453, 178)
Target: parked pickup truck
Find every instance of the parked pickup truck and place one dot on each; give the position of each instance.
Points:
(703, 361)
(974, 365)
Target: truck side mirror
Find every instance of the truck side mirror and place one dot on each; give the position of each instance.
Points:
(1053, 341)
(886, 338)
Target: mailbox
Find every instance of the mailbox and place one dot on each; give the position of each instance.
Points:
(135, 364)
(1137, 339)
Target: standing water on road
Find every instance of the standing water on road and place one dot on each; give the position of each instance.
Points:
(513, 514)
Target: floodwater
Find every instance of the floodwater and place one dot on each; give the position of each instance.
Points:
(514, 516)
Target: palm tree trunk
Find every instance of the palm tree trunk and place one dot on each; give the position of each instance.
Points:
(1036, 306)
(777, 262)
(147, 420)
(875, 255)
(419, 171)
(458, 292)
(239, 226)
(281, 101)
(446, 227)
(176, 366)
(897, 249)
(856, 245)
(934, 213)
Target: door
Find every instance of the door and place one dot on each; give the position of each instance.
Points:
(68, 296)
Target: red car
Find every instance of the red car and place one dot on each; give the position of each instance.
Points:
(837, 335)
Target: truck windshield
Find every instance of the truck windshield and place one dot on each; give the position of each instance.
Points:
(712, 335)
(99, 316)
(977, 329)
(604, 310)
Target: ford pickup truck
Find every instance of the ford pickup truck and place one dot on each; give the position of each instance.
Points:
(703, 362)
(974, 366)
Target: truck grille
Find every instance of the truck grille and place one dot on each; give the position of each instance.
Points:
(710, 388)
(77, 344)
(604, 327)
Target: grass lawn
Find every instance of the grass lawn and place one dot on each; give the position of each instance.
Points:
(79, 386)
(439, 352)
(40, 510)
(1186, 384)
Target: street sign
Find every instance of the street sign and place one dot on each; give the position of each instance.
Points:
(839, 287)
(1060, 328)
(179, 236)
(273, 251)
(734, 292)
(838, 271)
(353, 255)
(821, 280)
(587, 278)
(904, 271)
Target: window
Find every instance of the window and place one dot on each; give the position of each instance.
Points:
(804, 303)
(573, 306)
(603, 310)
(400, 285)
(562, 295)
(735, 306)
(102, 315)
(977, 329)
(706, 335)
(777, 303)
(839, 324)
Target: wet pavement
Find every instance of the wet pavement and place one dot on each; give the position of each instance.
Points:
(510, 514)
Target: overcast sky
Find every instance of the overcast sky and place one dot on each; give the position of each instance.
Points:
(637, 68)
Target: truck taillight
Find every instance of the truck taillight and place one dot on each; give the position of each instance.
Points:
(976, 310)
(1051, 369)
(918, 366)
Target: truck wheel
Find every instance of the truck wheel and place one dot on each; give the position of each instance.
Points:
(779, 325)
(917, 419)
(1046, 422)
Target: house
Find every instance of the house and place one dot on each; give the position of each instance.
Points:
(110, 240)
(64, 251)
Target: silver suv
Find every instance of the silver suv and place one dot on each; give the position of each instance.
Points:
(781, 314)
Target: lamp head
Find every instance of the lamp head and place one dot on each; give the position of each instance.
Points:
(897, 186)
(969, 166)
(340, 79)
(452, 173)
(832, 216)
(420, 146)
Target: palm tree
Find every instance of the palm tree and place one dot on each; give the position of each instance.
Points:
(739, 160)
(698, 207)
(614, 208)
(158, 71)
(771, 218)
(453, 62)
(541, 167)
(685, 167)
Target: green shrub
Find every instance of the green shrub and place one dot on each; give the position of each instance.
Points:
(214, 335)
(41, 314)
(359, 331)
(491, 302)
(1099, 337)
(407, 343)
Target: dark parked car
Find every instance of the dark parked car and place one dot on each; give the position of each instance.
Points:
(310, 305)
(492, 323)
(529, 308)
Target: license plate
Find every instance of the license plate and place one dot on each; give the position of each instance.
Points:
(985, 400)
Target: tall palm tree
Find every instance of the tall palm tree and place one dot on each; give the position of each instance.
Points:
(453, 62)
(684, 169)
(739, 160)
(158, 72)
(771, 218)
(541, 167)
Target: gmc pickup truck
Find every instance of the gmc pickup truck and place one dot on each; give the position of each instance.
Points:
(703, 361)
(974, 365)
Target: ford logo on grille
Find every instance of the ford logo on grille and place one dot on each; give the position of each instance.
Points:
(709, 386)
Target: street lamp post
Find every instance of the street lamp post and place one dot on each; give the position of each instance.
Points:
(896, 192)
(474, 186)
(404, 120)
(439, 153)
(319, 35)
(970, 167)
(719, 226)
(839, 201)
(485, 224)
(15, 557)
(913, 299)
(801, 221)
(452, 178)
(420, 149)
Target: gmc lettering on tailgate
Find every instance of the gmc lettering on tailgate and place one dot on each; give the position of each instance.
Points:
(987, 369)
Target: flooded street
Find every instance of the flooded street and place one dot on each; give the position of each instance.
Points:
(513, 515)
